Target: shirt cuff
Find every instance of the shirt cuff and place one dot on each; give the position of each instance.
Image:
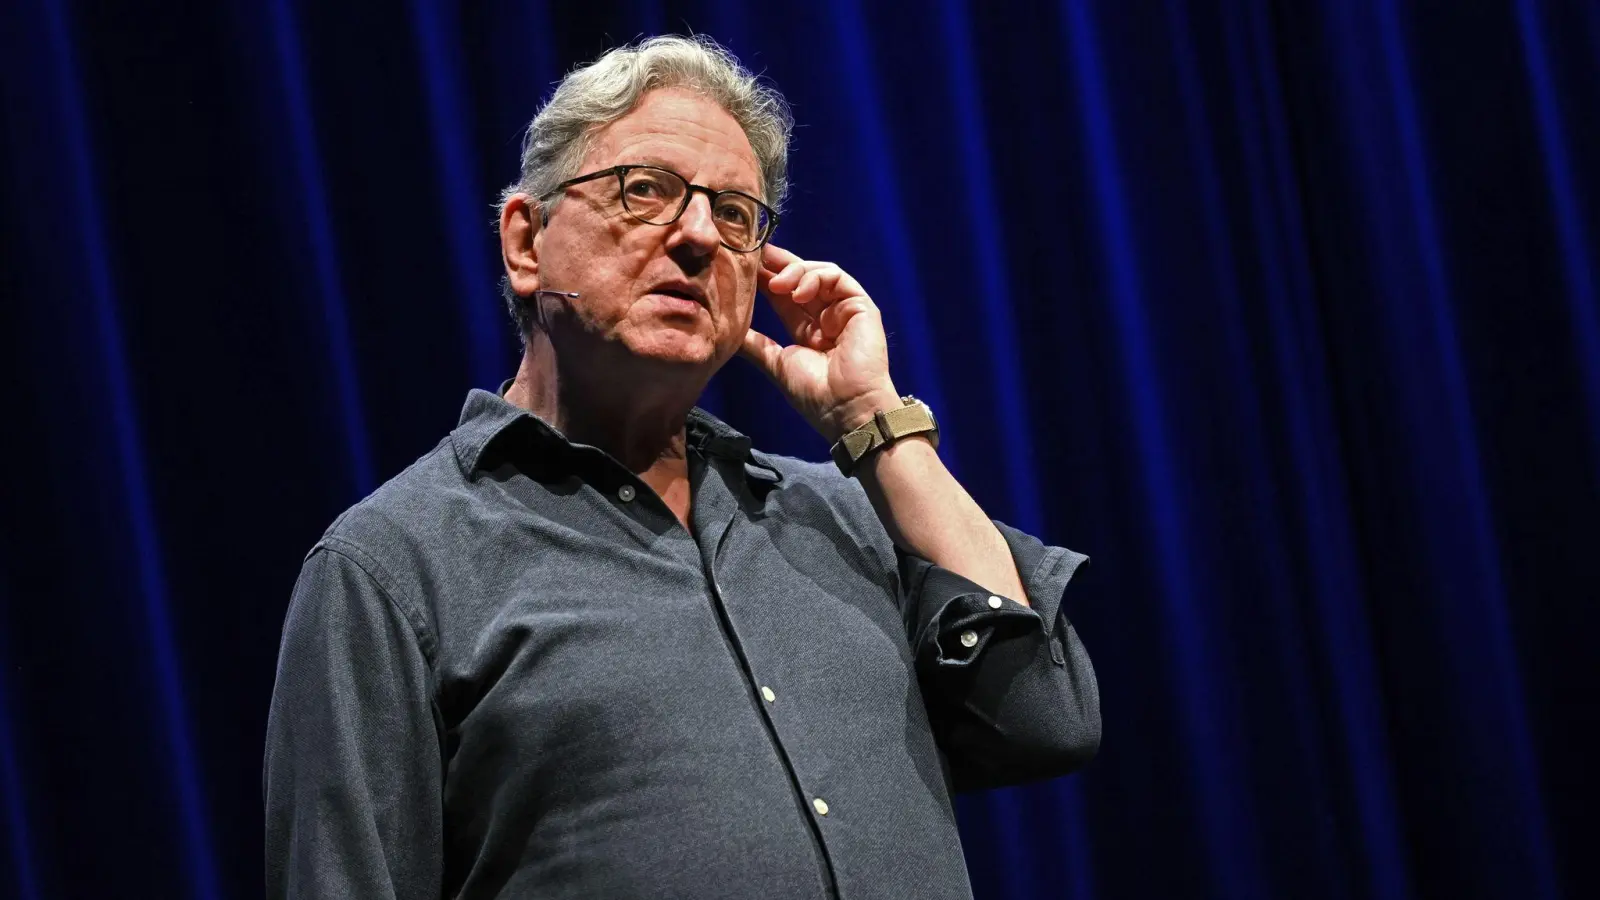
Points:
(957, 619)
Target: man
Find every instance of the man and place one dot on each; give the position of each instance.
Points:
(594, 644)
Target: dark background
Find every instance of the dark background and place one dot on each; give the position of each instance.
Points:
(1285, 312)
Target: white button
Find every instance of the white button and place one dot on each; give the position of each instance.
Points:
(820, 805)
(995, 602)
(625, 493)
(969, 639)
(767, 694)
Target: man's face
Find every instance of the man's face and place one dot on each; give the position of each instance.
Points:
(634, 277)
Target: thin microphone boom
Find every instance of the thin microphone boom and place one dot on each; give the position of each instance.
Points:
(539, 310)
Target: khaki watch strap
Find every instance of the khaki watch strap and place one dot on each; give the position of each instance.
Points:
(885, 427)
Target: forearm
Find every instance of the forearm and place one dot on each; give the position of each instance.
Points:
(929, 514)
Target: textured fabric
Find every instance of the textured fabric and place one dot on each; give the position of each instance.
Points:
(1287, 312)
(511, 672)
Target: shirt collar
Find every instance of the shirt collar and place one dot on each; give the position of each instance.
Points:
(488, 419)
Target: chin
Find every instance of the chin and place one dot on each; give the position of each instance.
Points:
(677, 350)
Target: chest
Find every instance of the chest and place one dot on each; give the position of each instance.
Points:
(582, 630)
(595, 687)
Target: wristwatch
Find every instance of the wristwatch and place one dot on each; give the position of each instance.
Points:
(884, 428)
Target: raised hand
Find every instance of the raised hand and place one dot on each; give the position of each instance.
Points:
(835, 371)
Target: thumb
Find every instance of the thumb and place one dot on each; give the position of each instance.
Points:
(764, 352)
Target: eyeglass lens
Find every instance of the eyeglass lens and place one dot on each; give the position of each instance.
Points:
(658, 197)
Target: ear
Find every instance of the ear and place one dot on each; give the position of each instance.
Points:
(520, 228)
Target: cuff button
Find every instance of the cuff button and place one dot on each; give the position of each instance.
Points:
(969, 639)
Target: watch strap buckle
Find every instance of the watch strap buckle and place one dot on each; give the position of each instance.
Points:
(886, 427)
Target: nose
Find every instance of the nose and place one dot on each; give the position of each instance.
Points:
(696, 228)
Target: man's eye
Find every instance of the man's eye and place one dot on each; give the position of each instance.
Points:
(644, 189)
(731, 212)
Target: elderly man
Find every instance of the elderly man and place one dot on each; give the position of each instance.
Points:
(596, 645)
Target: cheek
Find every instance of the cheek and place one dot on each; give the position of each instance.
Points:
(569, 255)
(740, 288)
(601, 248)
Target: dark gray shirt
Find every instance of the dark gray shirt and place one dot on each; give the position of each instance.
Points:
(511, 672)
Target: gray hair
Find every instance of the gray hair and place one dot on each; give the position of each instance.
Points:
(595, 95)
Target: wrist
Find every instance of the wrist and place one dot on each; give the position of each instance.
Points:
(913, 450)
(859, 411)
(891, 422)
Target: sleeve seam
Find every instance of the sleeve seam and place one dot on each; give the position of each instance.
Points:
(366, 562)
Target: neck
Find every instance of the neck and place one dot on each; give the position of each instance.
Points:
(637, 419)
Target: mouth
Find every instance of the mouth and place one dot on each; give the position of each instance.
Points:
(682, 290)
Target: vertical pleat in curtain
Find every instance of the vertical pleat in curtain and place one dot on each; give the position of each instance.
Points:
(1283, 312)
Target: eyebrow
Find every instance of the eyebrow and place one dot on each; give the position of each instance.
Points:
(660, 163)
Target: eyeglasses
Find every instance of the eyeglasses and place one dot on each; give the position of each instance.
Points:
(658, 196)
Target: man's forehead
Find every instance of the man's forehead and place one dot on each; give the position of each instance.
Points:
(682, 131)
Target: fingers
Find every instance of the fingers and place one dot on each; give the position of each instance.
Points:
(784, 279)
(813, 285)
(780, 289)
(818, 330)
(793, 316)
(805, 291)
(775, 258)
(833, 319)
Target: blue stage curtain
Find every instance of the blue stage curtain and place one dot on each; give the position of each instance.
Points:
(1284, 312)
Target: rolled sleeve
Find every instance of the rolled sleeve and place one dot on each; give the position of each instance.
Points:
(1010, 688)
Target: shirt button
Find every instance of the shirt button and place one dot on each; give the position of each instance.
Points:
(820, 805)
(969, 639)
(995, 602)
(625, 493)
(767, 694)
